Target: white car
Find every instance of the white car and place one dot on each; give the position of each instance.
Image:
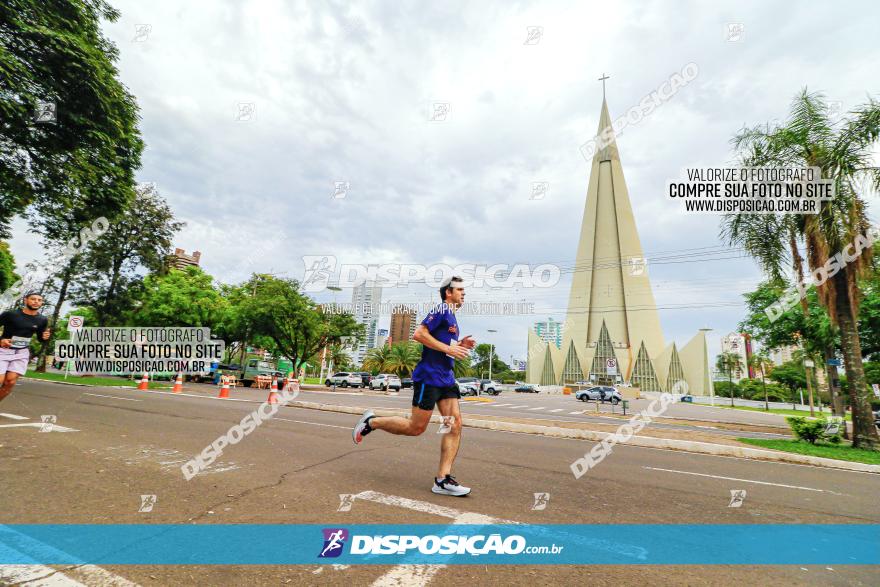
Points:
(385, 381)
(468, 387)
(344, 379)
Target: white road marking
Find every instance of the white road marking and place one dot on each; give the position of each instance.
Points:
(556, 410)
(35, 575)
(14, 416)
(42, 575)
(406, 575)
(128, 399)
(315, 423)
(55, 427)
(538, 408)
(744, 480)
(577, 413)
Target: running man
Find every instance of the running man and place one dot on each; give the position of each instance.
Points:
(433, 384)
(18, 327)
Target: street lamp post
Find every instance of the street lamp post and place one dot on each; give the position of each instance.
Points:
(334, 289)
(491, 348)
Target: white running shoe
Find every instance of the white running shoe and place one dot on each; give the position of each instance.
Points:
(449, 486)
(362, 428)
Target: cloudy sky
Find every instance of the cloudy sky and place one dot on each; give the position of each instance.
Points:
(344, 91)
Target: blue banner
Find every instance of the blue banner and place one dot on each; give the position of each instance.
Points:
(451, 544)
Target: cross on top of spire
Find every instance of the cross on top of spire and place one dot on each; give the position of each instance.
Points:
(602, 79)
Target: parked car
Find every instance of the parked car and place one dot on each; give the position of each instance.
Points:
(344, 379)
(687, 399)
(385, 381)
(406, 382)
(365, 378)
(526, 388)
(490, 386)
(467, 388)
(599, 393)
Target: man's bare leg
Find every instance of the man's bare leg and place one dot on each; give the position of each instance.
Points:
(451, 440)
(7, 382)
(412, 426)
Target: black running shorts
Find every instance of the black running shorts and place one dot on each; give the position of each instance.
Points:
(426, 396)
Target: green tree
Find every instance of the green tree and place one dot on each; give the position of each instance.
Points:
(278, 310)
(463, 368)
(790, 374)
(377, 359)
(761, 363)
(7, 267)
(481, 363)
(729, 363)
(181, 297)
(843, 152)
(140, 237)
(338, 357)
(403, 358)
(55, 53)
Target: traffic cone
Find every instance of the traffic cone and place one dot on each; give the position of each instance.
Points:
(145, 383)
(273, 392)
(224, 387)
(178, 384)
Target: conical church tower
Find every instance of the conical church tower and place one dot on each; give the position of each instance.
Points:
(612, 329)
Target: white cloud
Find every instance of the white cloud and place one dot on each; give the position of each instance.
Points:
(342, 92)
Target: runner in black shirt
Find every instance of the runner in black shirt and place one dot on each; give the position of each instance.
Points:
(18, 327)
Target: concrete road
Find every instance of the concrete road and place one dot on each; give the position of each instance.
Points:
(293, 468)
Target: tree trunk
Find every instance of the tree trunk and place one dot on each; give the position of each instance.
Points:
(864, 431)
(62, 297)
(111, 291)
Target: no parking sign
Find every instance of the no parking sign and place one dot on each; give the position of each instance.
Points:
(611, 366)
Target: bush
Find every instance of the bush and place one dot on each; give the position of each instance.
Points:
(811, 430)
(722, 389)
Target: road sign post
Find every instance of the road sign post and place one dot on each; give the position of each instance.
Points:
(74, 325)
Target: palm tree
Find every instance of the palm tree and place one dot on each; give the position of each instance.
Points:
(728, 363)
(761, 362)
(403, 358)
(377, 359)
(843, 152)
(338, 357)
(462, 367)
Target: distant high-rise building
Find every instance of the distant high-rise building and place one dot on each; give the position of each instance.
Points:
(783, 354)
(403, 324)
(180, 260)
(739, 344)
(365, 301)
(550, 331)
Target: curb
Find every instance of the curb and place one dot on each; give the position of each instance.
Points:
(641, 441)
